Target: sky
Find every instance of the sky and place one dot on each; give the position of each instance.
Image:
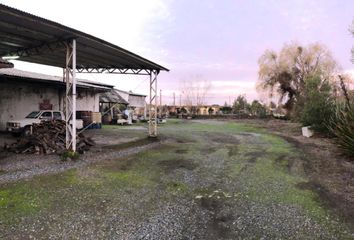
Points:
(219, 41)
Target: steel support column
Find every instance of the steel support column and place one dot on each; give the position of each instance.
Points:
(153, 104)
(70, 95)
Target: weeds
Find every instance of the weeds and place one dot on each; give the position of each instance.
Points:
(69, 155)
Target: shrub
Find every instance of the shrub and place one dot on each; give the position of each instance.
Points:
(318, 104)
(342, 126)
(258, 109)
(69, 155)
(342, 122)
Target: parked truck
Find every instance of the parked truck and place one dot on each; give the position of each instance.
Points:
(23, 126)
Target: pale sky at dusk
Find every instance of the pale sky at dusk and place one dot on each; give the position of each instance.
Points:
(219, 41)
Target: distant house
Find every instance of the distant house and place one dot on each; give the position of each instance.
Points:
(201, 110)
(208, 110)
(23, 92)
(111, 104)
(137, 102)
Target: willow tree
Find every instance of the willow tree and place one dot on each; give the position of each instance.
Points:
(284, 74)
(351, 29)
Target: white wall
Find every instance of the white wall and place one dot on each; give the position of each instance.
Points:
(18, 100)
(137, 101)
(87, 101)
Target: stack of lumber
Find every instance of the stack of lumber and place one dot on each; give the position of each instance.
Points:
(48, 137)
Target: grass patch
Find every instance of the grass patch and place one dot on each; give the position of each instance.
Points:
(122, 127)
(226, 162)
(176, 187)
(266, 178)
(130, 144)
(18, 200)
(128, 179)
(224, 128)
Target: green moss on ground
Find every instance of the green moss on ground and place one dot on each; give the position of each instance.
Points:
(256, 162)
(23, 199)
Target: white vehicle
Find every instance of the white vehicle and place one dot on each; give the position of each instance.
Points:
(23, 126)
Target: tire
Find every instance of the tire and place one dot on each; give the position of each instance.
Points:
(26, 131)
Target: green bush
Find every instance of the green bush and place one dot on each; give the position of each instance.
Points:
(318, 106)
(258, 109)
(342, 126)
(69, 155)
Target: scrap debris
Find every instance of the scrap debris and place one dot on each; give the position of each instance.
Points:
(48, 137)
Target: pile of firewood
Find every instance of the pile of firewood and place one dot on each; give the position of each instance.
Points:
(48, 137)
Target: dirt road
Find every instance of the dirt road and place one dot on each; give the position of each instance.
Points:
(206, 180)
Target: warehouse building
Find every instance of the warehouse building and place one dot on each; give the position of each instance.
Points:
(37, 40)
(23, 92)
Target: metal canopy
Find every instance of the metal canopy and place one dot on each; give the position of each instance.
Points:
(34, 39)
(38, 40)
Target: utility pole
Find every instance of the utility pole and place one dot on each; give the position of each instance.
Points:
(174, 99)
(180, 100)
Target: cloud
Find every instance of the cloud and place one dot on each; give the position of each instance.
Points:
(120, 22)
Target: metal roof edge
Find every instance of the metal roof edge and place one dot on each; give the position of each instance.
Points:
(86, 35)
(130, 93)
(49, 78)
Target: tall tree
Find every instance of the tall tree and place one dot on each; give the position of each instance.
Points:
(284, 73)
(258, 109)
(351, 29)
(240, 105)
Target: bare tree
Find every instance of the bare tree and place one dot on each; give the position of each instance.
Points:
(194, 92)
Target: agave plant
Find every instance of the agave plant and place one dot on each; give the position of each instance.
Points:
(342, 126)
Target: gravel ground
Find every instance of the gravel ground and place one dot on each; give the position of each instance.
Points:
(53, 164)
(14, 167)
(203, 181)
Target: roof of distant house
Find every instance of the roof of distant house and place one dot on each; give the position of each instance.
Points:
(112, 97)
(131, 93)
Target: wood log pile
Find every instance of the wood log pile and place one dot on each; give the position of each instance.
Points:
(48, 137)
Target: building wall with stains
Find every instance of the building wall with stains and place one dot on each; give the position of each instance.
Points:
(18, 99)
(87, 100)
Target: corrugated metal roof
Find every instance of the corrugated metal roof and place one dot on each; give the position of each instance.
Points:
(131, 93)
(81, 83)
(20, 30)
(112, 97)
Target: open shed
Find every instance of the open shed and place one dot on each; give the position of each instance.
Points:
(34, 39)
